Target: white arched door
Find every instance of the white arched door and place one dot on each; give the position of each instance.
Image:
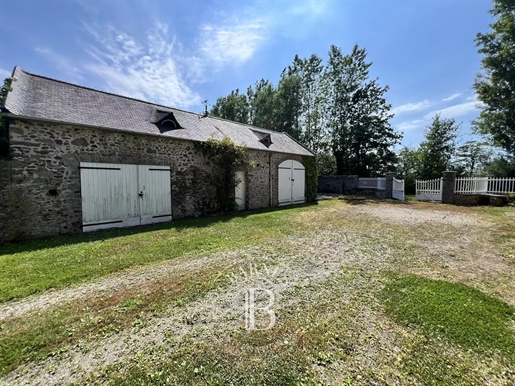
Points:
(292, 180)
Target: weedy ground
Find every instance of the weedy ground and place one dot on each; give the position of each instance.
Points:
(364, 292)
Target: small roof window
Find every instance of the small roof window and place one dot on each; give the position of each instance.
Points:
(166, 121)
(264, 138)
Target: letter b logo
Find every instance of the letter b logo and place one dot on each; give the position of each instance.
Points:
(250, 309)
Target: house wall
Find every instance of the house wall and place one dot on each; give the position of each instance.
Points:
(46, 158)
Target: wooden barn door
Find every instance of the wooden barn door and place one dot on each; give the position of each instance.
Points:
(155, 194)
(120, 195)
(292, 182)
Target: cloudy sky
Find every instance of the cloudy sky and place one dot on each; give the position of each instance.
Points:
(179, 52)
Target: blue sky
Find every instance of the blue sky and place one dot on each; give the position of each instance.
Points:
(179, 53)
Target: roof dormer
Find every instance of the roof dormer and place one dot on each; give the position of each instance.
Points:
(264, 138)
(165, 121)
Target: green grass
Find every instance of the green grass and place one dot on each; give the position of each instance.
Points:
(54, 330)
(460, 314)
(39, 265)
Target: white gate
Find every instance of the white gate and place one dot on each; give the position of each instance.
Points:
(239, 191)
(398, 189)
(119, 195)
(292, 181)
(430, 190)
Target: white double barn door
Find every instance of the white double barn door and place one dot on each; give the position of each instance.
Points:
(292, 182)
(120, 195)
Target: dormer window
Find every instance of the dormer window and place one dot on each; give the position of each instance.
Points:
(267, 141)
(165, 121)
(264, 138)
(168, 124)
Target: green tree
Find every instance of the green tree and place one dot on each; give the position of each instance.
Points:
(408, 167)
(495, 87)
(234, 107)
(289, 105)
(262, 101)
(471, 158)
(362, 138)
(501, 166)
(311, 118)
(438, 148)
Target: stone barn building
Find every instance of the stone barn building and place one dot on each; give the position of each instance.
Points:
(80, 159)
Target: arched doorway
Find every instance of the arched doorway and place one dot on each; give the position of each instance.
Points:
(292, 181)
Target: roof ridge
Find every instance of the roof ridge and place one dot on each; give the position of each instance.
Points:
(105, 92)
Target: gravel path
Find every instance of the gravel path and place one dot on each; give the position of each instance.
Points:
(293, 262)
(409, 216)
(136, 276)
(308, 260)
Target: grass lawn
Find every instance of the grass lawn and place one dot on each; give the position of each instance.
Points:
(361, 292)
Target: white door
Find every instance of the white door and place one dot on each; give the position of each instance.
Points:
(398, 189)
(291, 180)
(155, 194)
(120, 195)
(239, 191)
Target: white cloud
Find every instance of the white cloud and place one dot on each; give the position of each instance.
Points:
(147, 70)
(412, 107)
(455, 110)
(452, 97)
(231, 42)
(61, 62)
(310, 8)
(413, 124)
(4, 74)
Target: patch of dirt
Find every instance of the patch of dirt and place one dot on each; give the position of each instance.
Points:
(409, 216)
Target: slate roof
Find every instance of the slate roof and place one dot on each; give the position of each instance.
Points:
(35, 96)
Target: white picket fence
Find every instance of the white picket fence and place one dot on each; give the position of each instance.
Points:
(471, 185)
(372, 183)
(430, 190)
(485, 185)
(501, 185)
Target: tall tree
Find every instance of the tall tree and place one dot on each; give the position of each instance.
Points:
(438, 148)
(362, 138)
(262, 100)
(471, 158)
(495, 87)
(234, 107)
(289, 105)
(501, 166)
(408, 166)
(311, 118)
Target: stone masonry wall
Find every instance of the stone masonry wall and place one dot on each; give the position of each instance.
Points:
(45, 166)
